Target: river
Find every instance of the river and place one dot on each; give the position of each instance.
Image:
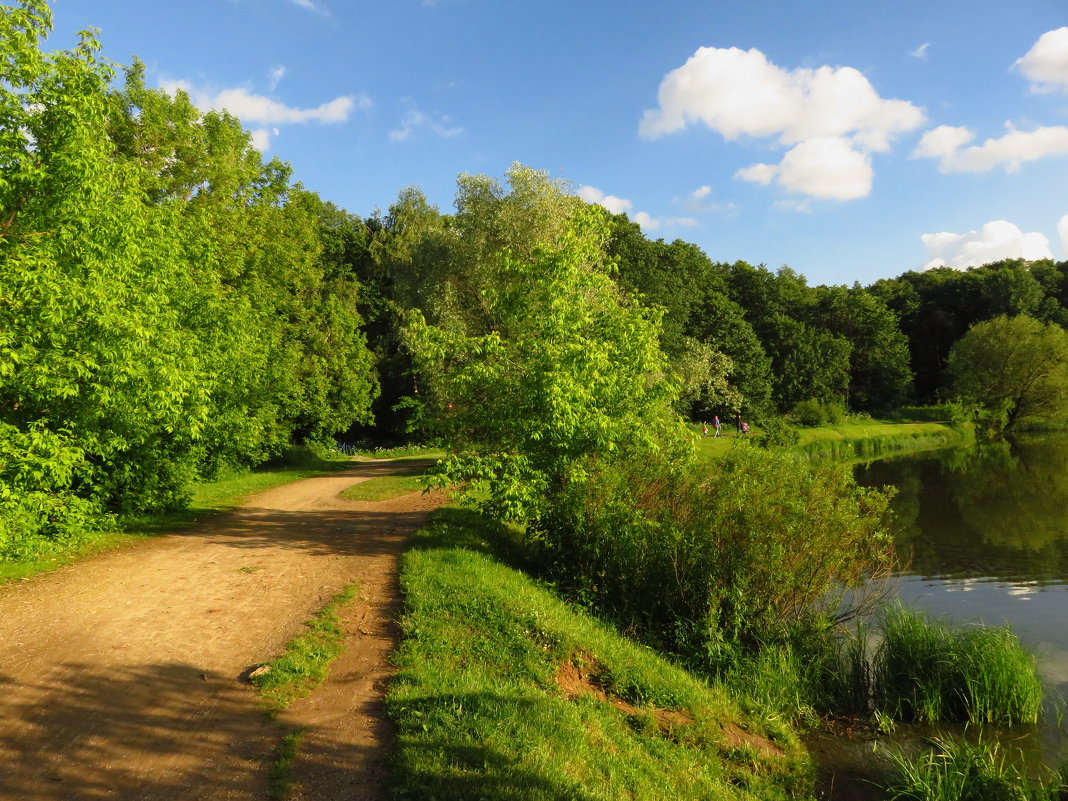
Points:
(983, 533)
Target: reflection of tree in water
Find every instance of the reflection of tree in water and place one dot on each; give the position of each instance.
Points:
(993, 511)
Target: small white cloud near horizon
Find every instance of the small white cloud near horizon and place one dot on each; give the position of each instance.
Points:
(996, 240)
(946, 143)
(616, 205)
(260, 110)
(921, 51)
(619, 205)
(415, 120)
(831, 118)
(1062, 229)
(1045, 65)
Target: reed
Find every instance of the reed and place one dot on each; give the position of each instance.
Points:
(925, 671)
(957, 771)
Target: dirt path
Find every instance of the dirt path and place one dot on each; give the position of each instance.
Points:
(120, 675)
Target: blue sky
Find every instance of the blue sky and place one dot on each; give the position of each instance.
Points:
(850, 140)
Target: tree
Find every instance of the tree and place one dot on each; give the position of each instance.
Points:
(567, 370)
(1015, 364)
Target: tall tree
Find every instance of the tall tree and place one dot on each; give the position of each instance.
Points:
(1015, 364)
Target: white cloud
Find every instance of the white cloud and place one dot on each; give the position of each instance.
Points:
(616, 205)
(253, 108)
(307, 5)
(828, 168)
(921, 51)
(946, 143)
(1046, 63)
(996, 240)
(831, 115)
(650, 223)
(700, 193)
(737, 92)
(274, 77)
(415, 120)
(619, 205)
(261, 139)
(1062, 229)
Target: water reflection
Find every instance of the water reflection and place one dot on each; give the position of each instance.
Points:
(984, 535)
(995, 512)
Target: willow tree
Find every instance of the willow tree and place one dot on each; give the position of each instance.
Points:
(1014, 365)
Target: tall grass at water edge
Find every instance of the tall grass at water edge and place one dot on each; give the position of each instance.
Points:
(926, 671)
(957, 771)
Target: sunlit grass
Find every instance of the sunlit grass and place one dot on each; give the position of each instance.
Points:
(953, 770)
(926, 671)
(385, 488)
(505, 692)
(306, 660)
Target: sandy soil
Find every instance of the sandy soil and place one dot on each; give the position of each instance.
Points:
(121, 677)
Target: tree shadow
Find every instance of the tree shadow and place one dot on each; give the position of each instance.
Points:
(159, 732)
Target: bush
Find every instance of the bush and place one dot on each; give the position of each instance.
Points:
(817, 413)
(704, 565)
(777, 433)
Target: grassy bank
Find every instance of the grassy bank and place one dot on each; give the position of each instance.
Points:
(207, 499)
(849, 440)
(505, 692)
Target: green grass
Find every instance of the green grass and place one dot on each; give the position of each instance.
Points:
(956, 771)
(280, 779)
(306, 660)
(385, 488)
(862, 439)
(505, 692)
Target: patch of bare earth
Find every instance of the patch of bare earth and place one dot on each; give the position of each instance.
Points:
(120, 675)
(578, 676)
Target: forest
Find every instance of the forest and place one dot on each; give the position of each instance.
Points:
(171, 304)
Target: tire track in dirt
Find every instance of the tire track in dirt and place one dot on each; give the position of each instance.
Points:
(119, 676)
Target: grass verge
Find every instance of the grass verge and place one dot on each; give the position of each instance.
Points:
(385, 488)
(853, 440)
(305, 662)
(505, 692)
(957, 771)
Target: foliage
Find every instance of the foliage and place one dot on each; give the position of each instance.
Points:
(163, 309)
(1015, 365)
(566, 371)
(702, 563)
(776, 432)
(814, 413)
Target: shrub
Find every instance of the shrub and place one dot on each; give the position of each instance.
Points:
(706, 564)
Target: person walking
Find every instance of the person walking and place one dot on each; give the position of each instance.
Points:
(715, 425)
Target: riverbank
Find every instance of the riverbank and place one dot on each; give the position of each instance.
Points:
(853, 440)
(507, 692)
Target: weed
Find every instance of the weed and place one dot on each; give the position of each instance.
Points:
(305, 662)
(280, 778)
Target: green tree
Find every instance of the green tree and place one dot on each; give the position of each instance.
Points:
(1015, 364)
(567, 370)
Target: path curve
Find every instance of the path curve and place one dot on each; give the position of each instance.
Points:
(120, 676)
